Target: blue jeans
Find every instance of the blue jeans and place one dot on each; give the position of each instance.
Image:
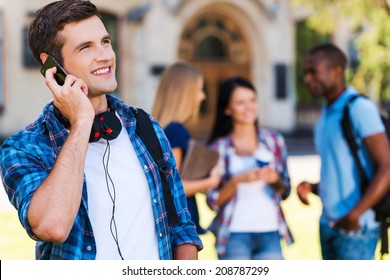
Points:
(253, 246)
(339, 244)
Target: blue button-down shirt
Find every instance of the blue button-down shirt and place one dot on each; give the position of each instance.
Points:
(28, 157)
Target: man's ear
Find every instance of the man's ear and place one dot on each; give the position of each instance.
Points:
(43, 57)
(339, 70)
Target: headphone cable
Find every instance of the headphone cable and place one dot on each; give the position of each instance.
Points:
(113, 227)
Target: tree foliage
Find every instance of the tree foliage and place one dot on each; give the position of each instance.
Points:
(370, 19)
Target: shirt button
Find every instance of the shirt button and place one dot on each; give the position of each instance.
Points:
(145, 167)
(89, 248)
(154, 201)
(161, 234)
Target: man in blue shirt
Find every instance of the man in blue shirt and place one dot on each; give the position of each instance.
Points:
(348, 229)
(84, 188)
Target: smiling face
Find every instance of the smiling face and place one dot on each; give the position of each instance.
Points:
(88, 55)
(242, 107)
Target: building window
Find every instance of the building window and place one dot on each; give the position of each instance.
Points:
(353, 52)
(111, 23)
(28, 57)
(1, 65)
(211, 48)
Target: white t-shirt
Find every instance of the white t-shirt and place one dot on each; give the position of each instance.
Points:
(133, 208)
(255, 209)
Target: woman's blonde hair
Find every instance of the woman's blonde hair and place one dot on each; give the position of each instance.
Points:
(177, 94)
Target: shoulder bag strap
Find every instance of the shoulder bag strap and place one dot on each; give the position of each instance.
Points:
(145, 131)
(347, 129)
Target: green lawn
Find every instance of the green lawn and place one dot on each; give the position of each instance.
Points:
(303, 221)
(14, 241)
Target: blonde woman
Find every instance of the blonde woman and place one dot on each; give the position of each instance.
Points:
(181, 86)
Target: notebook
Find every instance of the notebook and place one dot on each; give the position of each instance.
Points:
(198, 162)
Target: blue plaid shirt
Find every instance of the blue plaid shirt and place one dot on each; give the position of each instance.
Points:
(275, 143)
(28, 157)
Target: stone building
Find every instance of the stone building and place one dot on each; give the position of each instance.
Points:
(251, 38)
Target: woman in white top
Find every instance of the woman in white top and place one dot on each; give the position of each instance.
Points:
(249, 222)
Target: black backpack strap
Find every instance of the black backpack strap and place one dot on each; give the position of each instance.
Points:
(145, 131)
(347, 129)
(385, 224)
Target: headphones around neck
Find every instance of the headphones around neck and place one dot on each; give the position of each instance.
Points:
(105, 125)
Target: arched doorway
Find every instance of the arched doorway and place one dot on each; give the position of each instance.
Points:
(215, 44)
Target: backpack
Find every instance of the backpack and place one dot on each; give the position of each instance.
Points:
(145, 130)
(382, 208)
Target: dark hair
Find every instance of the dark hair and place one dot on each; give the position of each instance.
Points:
(333, 54)
(43, 31)
(223, 124)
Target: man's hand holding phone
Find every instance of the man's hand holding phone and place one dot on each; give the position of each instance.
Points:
(71, 97)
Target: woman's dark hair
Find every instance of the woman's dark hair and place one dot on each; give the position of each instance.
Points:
(223, 124)
(51, 19)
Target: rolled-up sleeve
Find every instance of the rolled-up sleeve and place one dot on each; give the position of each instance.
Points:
(22, 173)
(185, 231)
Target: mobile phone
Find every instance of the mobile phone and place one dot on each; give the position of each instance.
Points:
(261, 163)
(59, 75)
